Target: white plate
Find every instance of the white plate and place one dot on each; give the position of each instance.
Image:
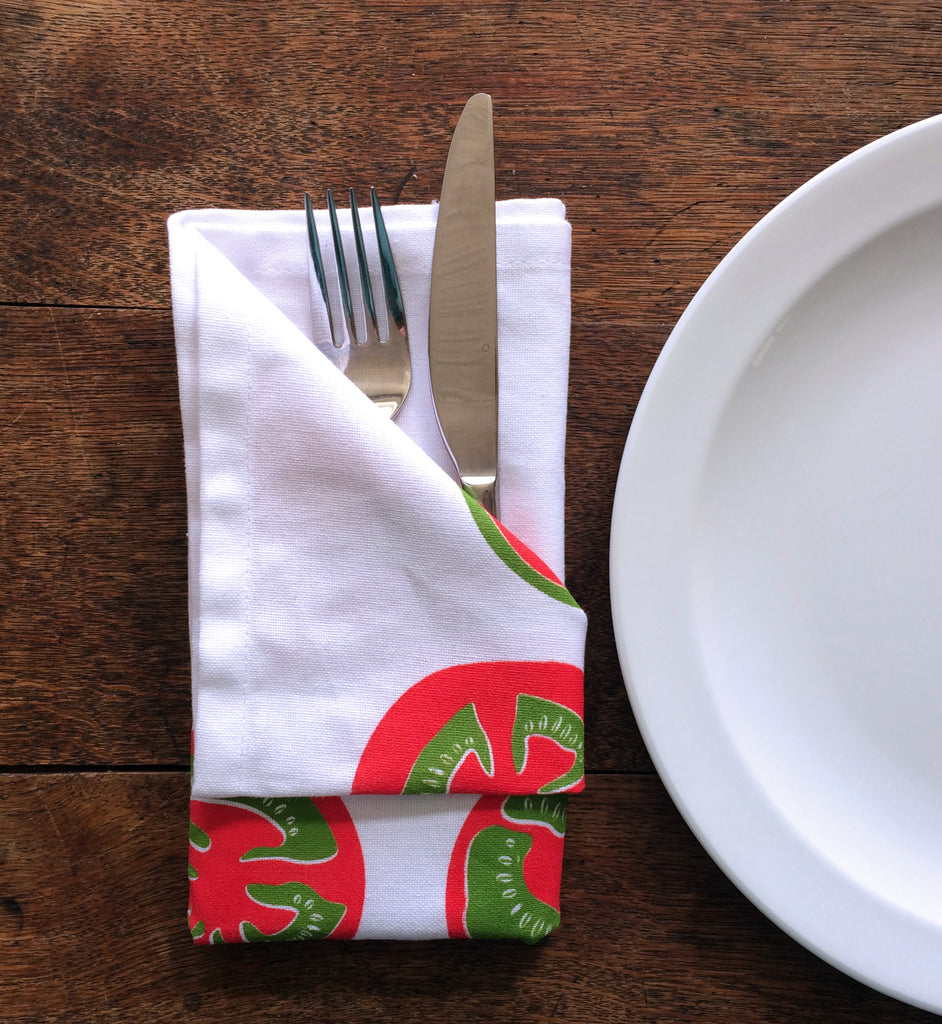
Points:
(777, 564)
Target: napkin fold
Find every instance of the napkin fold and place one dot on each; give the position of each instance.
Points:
(387, 682)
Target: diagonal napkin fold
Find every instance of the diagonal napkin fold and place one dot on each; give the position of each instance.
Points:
(387, 683)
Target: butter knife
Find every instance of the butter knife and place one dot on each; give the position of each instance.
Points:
(463, 304)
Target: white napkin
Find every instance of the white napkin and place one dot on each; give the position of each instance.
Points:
(347, 604)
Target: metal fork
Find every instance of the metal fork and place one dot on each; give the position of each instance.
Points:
(382, 370)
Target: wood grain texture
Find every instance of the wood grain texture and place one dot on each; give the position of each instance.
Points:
(668, 128)
(93, 559)
(93, 563)
(92, 921)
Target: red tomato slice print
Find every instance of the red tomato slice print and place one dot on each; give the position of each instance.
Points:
(489, 727)
(505, 869)
(274, 869)
(516, 555)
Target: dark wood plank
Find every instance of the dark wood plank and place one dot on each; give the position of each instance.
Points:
(666, 134)
(93, 558)
(607, 374)
(92, 919)
(93, 564)
(667, 129)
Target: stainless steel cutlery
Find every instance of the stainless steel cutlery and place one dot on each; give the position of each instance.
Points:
(463, 304)
(381, 369)
(462, 307)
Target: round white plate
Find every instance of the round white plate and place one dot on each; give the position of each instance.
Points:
(776, 564)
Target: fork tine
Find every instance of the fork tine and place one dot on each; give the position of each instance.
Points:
(315, 248)
(382, 370)
(345, 299)
(372, 329)
(395, 307)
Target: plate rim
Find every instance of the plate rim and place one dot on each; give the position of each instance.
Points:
(885, 168)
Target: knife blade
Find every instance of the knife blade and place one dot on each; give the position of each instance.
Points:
(463, 304)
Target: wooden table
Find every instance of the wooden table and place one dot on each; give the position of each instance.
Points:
(668, 128)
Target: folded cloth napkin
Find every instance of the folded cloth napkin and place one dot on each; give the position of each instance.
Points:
(387, 682)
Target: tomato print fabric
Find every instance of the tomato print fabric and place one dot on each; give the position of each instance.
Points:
(387, 680)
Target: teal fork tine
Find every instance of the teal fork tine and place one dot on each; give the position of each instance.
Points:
(381, 369)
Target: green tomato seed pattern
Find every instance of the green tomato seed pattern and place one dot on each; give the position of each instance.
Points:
(274, 870)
